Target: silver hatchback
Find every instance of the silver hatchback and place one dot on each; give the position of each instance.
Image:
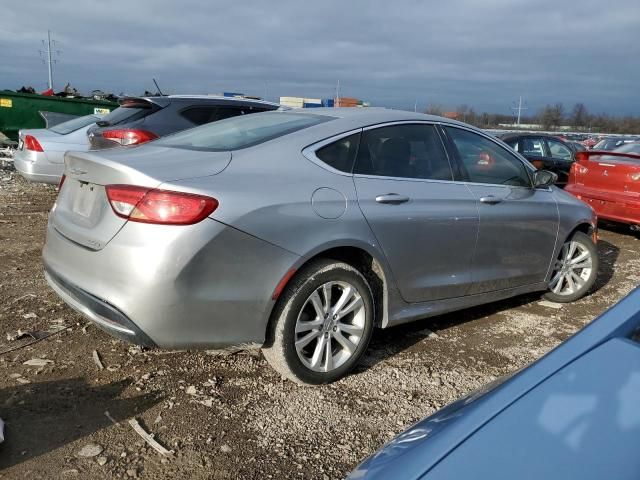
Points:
(301, 231)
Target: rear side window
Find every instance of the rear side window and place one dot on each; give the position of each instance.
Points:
(405, 151)
(487, 162)
(228, 112)
(74, 124)
(532, 147)
(340, 154)
(199, 115)
(242, 131)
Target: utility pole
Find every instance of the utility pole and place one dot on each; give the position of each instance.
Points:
(519, 108)
(415, 106)
(337, 101)
(48, 54)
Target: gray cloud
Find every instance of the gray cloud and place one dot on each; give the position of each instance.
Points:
(482, 54)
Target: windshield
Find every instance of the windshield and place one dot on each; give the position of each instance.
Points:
(241, 132)
(74, 124)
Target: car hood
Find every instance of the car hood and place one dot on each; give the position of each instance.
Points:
(563, 428)
(436, 439)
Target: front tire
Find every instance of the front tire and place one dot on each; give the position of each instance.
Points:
(575, 270)
(322, 323)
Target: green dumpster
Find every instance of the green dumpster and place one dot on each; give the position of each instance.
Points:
(20, 110)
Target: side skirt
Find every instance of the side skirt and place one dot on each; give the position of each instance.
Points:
(408, 312)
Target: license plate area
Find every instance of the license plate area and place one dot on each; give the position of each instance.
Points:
(84, 199)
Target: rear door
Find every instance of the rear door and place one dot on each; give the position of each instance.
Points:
(425, 223)
(518, 223)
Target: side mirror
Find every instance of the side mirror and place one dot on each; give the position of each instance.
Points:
(544, 178)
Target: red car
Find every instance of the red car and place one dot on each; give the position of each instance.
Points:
(609, 182)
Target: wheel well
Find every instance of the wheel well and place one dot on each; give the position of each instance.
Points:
(585, 228)
(366, 264)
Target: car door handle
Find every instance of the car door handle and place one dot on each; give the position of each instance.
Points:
(490, 200)
(392, 198)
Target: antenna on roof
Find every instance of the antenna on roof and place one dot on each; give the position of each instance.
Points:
(157, 87)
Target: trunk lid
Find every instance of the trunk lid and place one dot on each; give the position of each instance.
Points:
(82, 212)
(607, 173)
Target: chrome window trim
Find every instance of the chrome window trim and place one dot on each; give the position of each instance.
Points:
(309, 153)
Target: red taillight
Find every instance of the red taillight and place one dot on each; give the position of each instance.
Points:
(129, 136)
(31, 143)
(141, 204)
(62, 179)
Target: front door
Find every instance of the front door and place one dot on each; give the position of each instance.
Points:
(518, 223)
(426, 224)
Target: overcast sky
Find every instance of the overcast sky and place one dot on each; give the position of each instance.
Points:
(389, 52)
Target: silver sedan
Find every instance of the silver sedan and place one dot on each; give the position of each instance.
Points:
(301, 231)
(40, 153)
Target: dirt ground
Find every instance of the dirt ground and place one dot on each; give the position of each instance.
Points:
(229, 416)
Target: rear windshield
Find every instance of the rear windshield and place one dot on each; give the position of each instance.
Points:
(127, 112)
(241, 132)
(74, 124)
(629, 148)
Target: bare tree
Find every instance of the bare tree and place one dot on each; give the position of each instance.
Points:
(434, 109)
(579, 115)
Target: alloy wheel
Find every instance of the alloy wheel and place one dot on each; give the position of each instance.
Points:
(572, 269)
(330, 326)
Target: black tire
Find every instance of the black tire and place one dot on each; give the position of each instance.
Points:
(587, 244)
(280, 349)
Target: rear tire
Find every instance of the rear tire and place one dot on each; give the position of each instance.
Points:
(322, 324)
(575, 270)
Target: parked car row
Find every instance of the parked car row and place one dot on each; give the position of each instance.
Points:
(40, 153)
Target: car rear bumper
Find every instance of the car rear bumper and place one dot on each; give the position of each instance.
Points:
(35, 167)
(613, 206)
(100, 312)
(199, 286)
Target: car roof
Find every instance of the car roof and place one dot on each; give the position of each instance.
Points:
(530, 134)
(373, 115)
(211, 98)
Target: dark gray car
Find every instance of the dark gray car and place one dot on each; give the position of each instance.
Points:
(301, 231)
(141, 119)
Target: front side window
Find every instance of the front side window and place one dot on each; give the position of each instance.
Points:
(406, 151)
(241, 131)
(484, 161)
(341, 153)
(513, 143)
(559, 150)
